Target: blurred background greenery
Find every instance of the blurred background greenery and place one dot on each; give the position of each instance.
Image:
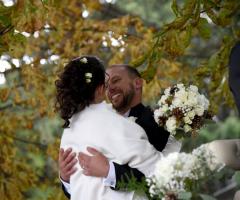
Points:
(169, 41)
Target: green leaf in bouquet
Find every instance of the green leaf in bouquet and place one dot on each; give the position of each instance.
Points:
(206, 197)
(184, 195)
(180, 134)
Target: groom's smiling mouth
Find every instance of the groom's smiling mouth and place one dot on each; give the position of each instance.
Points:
(115, 97)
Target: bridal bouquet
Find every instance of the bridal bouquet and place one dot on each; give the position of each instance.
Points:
(172, 174)
(182, 110)
(178, 175)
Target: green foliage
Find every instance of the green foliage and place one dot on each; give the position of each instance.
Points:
(131, 183)
(204, 28)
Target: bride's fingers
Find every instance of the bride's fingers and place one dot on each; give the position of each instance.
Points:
(72, 171)
(70, 157)
(66, 153)
(81, 159)
(71, 164)
(92, 151)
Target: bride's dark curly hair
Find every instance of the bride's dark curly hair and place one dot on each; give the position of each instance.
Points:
(76, 86)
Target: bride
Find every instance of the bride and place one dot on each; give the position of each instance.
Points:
(89, 121)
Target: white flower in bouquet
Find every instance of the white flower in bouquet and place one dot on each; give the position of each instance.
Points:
(204, 101)
(172, 172)
(180, 86)
(206, 155)
(177, 102)
(187, 128)
(193, 88)
(167, 91)
(171, 124)
(180, 96)
(199, 110)
(187, 120)
(180, 106)
(191, 114)
(157, 114)
(180, 172)
(192, 100)
(163, 99)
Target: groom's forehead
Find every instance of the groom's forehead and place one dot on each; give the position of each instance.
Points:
(116, 71)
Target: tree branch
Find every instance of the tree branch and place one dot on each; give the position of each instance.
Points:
(111, 11)
(6, 29)
(40, 145)
(6, 106)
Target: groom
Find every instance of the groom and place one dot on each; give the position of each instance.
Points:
(124, 90)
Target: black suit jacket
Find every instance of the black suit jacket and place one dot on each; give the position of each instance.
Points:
(157, 136)
(234, 74)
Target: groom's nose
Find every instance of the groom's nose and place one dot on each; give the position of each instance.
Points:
(110, 87)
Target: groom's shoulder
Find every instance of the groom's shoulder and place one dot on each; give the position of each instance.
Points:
(147, 115)
(147, 112)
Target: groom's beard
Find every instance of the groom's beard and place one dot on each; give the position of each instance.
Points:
(125, 100)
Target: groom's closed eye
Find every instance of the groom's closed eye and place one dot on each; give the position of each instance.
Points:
(115, 80)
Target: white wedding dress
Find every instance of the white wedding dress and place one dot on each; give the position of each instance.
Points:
(119, 139)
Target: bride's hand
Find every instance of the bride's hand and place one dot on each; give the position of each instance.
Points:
(96, 165)
(67, 160)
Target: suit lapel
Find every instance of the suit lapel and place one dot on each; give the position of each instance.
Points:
(137, 111)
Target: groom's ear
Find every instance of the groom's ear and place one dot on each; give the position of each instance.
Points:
(102, 88)
(138, 83)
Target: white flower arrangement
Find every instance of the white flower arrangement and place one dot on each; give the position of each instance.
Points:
(178, 172)
(206, 155)
(182, 110)
(171, 173)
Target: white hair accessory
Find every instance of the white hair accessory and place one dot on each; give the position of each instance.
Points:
(84, 60)
(88, 77)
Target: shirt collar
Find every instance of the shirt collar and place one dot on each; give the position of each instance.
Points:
(126, 114)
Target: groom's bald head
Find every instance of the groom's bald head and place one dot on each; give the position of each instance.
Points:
(132, 72)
